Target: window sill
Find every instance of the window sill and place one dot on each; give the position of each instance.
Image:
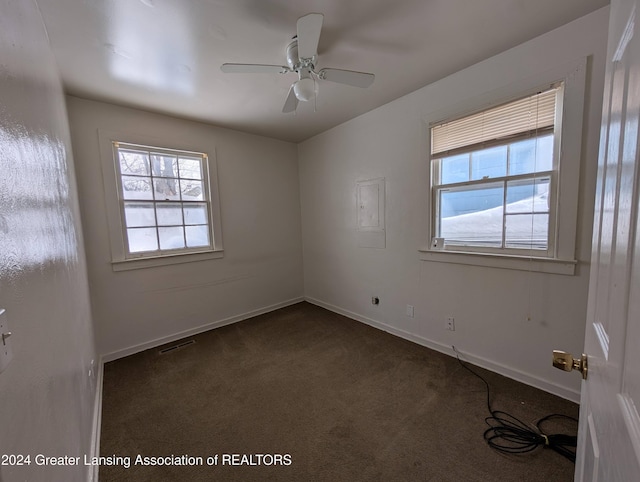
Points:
(522, 263)
(178, 258)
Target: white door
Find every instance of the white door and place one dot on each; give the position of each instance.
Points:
(609, 432)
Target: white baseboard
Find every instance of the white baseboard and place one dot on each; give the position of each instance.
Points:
(92, 475)
(194, 331)
(508, 372)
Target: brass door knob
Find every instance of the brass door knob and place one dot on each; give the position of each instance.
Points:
(565, 361)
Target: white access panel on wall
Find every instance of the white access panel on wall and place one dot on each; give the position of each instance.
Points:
(370, 209)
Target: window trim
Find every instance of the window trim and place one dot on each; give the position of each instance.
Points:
(121, 260)
(567, 192)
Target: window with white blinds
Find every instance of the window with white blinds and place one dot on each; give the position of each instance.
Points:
(494, 177)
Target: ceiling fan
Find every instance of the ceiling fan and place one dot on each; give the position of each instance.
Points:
(302, 55)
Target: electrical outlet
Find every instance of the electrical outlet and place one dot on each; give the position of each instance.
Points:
(410, 311)
(437, 243)
(450, 324)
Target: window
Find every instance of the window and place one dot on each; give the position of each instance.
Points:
(494, 177)
(164, 200)
(162, 203)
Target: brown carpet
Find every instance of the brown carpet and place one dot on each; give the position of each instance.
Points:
(345, 401)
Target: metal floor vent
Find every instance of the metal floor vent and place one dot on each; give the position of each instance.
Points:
(173, 348)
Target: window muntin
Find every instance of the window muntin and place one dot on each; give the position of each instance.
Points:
(497, 194)
(164, 201)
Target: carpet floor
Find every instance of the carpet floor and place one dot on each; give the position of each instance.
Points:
(304, 394)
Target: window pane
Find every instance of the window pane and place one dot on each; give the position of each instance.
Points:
(489, 163)
(191, 190)
(530, 231)
(139, 214)
(164, 165)
(136, 187)
(195, 214)
(528, 195)
(169, 214)
(531, 155)
(134, 162)
(190, 168)
(166, 189)
(142, 239)
(472, 216)
(197, 236)
(455, 169)
(455, 202)
(171, 238)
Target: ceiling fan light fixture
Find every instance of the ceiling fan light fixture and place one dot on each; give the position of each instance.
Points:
(304, 89)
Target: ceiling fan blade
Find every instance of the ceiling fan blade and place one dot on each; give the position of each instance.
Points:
(309, 28)
(349, 77)
(291, 103)
(254, 69)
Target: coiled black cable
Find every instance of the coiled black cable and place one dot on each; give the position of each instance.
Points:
(508, 434)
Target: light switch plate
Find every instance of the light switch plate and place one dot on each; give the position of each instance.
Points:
(6, 354)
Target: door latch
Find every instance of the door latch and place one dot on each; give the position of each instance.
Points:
(565, 361)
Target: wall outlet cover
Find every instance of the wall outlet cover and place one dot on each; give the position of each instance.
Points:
(450, 324)
(437, 243)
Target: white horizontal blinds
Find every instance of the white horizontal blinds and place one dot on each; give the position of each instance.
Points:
(530, 114)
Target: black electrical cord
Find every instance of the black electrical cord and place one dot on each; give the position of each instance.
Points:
(508, 434)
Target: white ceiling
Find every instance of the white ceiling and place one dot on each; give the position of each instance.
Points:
(165, 55)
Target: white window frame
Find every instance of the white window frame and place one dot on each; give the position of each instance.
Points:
(121, 258)
(559, 258)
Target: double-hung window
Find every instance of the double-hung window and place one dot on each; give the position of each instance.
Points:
(164, 201)
(494, 178)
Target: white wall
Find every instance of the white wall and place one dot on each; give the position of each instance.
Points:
(260, 209)
(490, 305)
(46, 394)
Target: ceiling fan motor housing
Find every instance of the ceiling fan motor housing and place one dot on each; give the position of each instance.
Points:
(294, 62)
